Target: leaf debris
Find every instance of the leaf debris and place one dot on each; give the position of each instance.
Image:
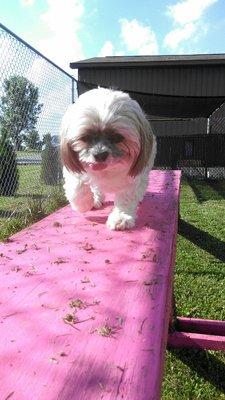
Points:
(88, 247)
(20, 251)
(63, 354)
(78, 303)
(9, 395)
(96, 301)
(106, 331)
(85, 280)
(57, 224)
(60, 260)
(70, 319)
(53, 360)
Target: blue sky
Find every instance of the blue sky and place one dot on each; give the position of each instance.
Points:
(70, 30)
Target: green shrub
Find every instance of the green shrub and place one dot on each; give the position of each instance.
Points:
(51, 170)
(9, 175)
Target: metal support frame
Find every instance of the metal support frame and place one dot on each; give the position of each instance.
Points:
(205, 334)
(197, 333)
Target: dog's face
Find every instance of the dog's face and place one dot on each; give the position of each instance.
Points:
(107, 136)
(99, 149)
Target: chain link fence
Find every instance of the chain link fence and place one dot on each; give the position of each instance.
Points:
(196, 146)
(34, 94)
(198, 156)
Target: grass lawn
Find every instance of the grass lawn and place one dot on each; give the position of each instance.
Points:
(32, 201)
(28, 153)
(199, 277)
(199, 290)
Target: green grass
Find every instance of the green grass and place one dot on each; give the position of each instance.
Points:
(28, 153)
(199, 290)
(32, 201)
(199, 277)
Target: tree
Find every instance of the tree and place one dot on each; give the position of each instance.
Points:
(32, 140)
(9, 175)
(19, 108)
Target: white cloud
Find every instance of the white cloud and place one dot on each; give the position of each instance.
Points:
(187, 17)
(62, 21)
(138, 38)
(178, 35)
(187, 11)
(27, 3)
(68, 12)
(107, 49)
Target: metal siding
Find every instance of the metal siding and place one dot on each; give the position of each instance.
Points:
(182, 81)
(180, 128)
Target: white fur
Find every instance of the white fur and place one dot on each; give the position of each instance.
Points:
(102, 108)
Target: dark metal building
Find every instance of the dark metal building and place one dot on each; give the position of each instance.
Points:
(182, 95)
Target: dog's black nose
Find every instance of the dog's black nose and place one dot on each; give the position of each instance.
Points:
(101, 156)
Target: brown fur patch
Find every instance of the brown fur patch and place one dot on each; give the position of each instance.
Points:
(146, 143)
(69, 157)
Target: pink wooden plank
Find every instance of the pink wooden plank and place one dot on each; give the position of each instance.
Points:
(124, 279)
(196, 340)
(207, 326)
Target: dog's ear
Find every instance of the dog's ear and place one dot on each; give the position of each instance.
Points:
(69, 157)
(147, 147)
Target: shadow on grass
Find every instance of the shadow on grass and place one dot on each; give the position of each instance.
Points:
(207, 365)
(202, 239)
(207, 190)
(218, 186)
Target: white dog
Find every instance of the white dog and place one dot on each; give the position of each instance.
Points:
(107, 145)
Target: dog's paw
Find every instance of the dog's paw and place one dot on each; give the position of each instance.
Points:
(83, 201)
(120, 221)
(98, 203)
(98, 198)
(84, 206)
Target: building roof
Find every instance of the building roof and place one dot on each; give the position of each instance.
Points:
(144, 61)
(186, 86)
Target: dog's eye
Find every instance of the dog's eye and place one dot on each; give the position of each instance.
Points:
(90, 138)
(116, 138)
(85, 139)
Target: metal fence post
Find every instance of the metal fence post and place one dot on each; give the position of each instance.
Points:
(73, 90)
(206, 143)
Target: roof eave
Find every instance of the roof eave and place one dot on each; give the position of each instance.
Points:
(104, 63)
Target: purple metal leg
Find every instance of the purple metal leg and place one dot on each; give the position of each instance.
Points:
(198, 333)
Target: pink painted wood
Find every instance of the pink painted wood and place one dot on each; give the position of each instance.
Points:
(124, 280)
